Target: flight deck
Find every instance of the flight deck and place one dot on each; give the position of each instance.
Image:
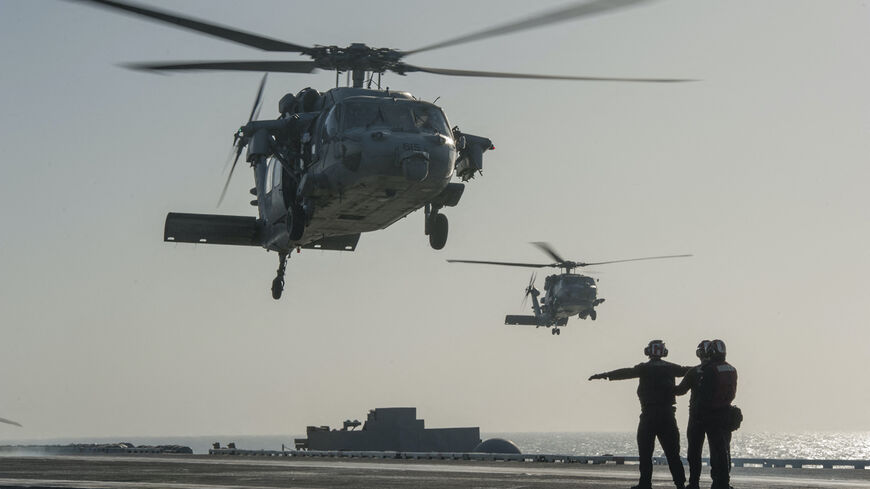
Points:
(193, 471)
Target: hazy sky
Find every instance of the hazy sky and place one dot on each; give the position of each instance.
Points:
(760, 169)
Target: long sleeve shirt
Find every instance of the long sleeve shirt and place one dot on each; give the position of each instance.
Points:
(690, 381)
(656, 381)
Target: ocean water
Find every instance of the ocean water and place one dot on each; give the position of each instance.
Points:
(813, 445)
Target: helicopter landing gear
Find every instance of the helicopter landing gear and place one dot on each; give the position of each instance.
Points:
(278, 283)
(438, 234)
(436, 227)
(593, 315)
(296, 224)
(555, 332)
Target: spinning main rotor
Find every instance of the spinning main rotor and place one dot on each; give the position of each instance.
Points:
(562, 263)
(359, 58)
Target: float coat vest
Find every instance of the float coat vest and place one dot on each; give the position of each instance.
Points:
(717, 386)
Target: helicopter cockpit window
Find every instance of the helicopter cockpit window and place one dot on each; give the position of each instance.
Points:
(361, 114)
(429, 119)
(413, 117)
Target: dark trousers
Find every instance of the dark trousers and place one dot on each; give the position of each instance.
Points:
(719, 438)
(659, 422)
(695, 435)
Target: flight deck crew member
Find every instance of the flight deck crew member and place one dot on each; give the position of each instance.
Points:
(694, 430)
(716, 389)
(656, 393)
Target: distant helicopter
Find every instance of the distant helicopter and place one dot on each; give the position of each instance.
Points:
(349, 160)
(567, 293)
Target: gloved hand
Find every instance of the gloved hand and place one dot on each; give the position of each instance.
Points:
(598, 376)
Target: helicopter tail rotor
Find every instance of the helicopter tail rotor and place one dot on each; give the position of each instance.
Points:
(529, 289)
(239, 139)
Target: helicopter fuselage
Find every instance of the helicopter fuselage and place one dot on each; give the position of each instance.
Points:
(568, 295)
(376, 156)
(338, 164)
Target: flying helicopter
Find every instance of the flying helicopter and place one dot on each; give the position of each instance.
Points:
(351, 159)
(567, 293)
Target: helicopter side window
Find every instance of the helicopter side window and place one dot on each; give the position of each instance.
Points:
(276, 170)
(273, 174)
(331, 124)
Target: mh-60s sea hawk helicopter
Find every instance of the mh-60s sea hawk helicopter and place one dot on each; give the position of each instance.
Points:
(349, 160)
(567, 293)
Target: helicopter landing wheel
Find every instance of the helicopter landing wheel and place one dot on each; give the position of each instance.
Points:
(277, 288)
(593, 315)
(278, 282)
(555, 331)
(438, 231)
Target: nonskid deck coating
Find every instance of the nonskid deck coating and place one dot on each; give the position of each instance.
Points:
(194, 471)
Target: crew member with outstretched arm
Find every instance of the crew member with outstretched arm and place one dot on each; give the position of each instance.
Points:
(657, 407)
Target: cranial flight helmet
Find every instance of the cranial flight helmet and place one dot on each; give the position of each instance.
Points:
(701, 352)
(716, 349)
(656, 348)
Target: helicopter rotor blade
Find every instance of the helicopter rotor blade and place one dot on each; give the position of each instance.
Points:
(548, 249)
(267, 66)
(258, 100)
(529, 288)
(508, 264)
(633, 259)
(240, 148)
(533, 76)
(239, 142)
(569, 12)
(227, 33)
(9, 421)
